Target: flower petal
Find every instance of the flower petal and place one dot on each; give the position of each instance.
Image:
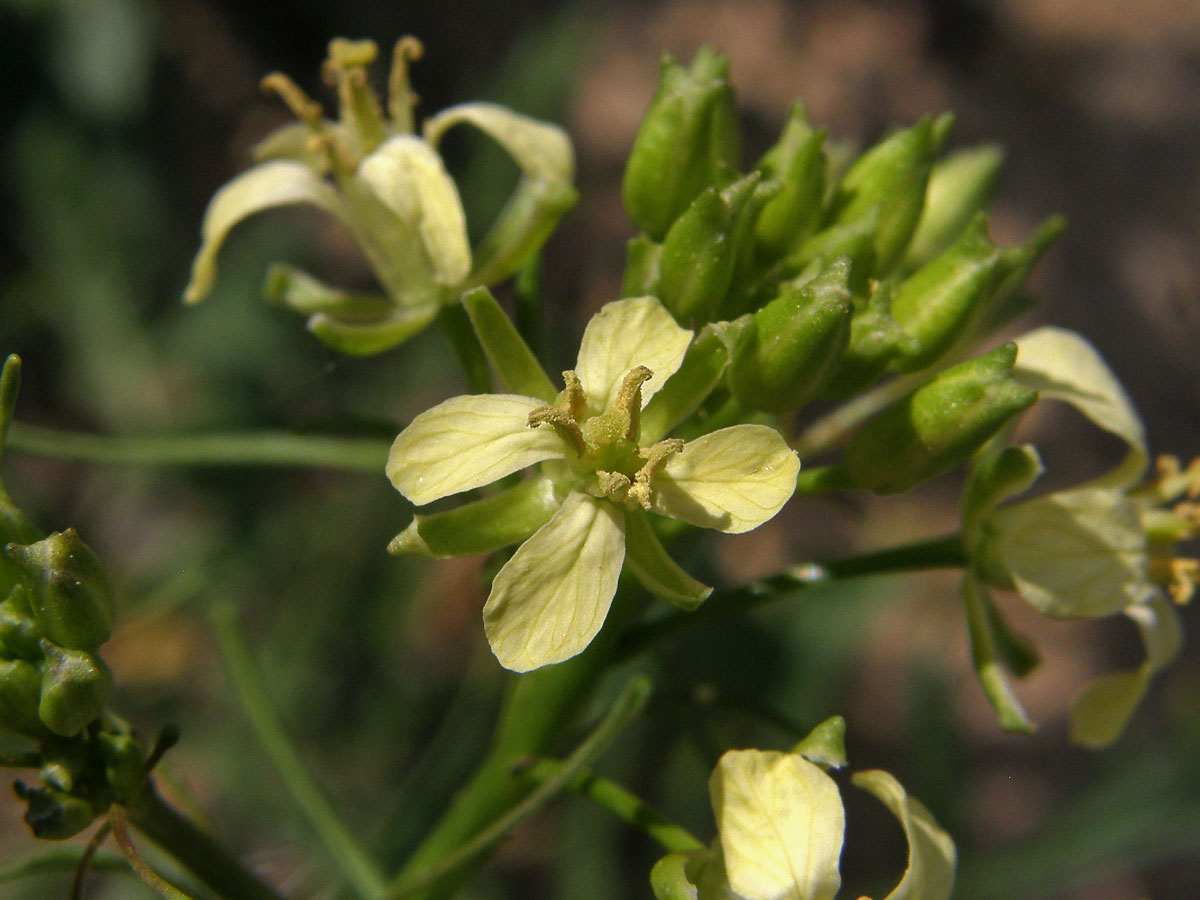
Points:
(541, 150)
(1103, 708)
(931, 855)
(411, 180)
(734, 479)
(781, 823)
(467, 442)
(624, 334)
(1077, 553)
(276, 183)
(1061, 365)
(550, 599)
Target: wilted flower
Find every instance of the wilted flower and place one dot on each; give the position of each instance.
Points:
(550, 599)
(389, 187)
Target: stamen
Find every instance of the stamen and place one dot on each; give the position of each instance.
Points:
(629, 399)
(656, 456)
(615, 485)
(346, 68)
(401, 98)
(303, 107)
(562, 422)
(572, 399)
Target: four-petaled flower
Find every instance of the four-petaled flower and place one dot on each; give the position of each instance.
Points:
(551, 597)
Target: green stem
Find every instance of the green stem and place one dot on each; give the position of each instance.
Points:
(528, 290)
(195, 848)
(264, 448)
(936, 553)
(823, 480)
(61, 860)
(356, 866)
(539, 707)
(627, 705)
(622, 803)
(456, 325)
(829, 431)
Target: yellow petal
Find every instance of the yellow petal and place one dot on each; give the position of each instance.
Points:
(550, 599)
(270, 184)
(467, 442)
(734, 479)
(625, 334)
(781, 822)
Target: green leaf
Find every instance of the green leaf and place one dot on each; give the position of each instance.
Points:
(655, 570)
(506, 350)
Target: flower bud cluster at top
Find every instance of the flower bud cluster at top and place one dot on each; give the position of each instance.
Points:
(606, 444)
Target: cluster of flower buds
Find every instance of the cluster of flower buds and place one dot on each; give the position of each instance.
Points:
(57, 611)
(834, 273)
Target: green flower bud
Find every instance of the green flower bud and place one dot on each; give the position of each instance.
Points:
(892, 176)
(642, 264)
(938, 425)
(688, 140)
(19, 633)
(75, 689)
(20, 684)
(875, 340)
(72, 601)
(959, 187)
(53, 815)
(855, 240)
(794, 343)
(700, 252)
(124, 761)
(798, 163)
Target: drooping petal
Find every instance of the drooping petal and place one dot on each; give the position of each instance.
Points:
(550, 599)
(1103, 708)
(1078, 553)
(1061, 365)
(411, 180)
(276, 183)
(733, 480)
(625, 334)
(467, 442)
(541, 150)
(932, 857)
(781, 823)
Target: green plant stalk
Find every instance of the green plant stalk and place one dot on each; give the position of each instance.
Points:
(194, 848)
(832, 429)
(263, 448)
(540, 705)
(356, 866)
(622, 803)
(457, 328)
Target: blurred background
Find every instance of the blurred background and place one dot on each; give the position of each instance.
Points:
(118, 120)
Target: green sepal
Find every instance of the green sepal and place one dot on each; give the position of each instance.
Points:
(875, 340)
(643, 267)
(997, 473)
(697, 376)
(19, 634)
(53, 815)
(523, 226)
(20, 688)
(654, 569)
(689, 140)
(75, 689)
(505, 518)
(749, 271)
(794, 343)
(70, 598)
(987, 660)
(368, 338)
(1014, 650)
(293, 288)
(937, 426)
(825, 745)
(891, 176)
(669, 879)
(124, 762)
(797, 161)
(960, 186)
(506, 350)
(699, 252)
(10, 385)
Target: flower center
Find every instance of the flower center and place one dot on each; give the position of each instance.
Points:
(606, 444)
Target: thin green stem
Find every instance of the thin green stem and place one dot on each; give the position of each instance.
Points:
(823, 480)
(626, 707)
(195, 848)
(528, 290)
(263, 448)
(356, 866)
(622, 803)
(936, 553)
(830, 430)
(60, 860)
(456, 325)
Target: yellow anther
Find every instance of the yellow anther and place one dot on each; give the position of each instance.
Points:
(562, 422)
(1179, 576)
(572, 399)
(345, 68)
(401, 98)
(655, 456)
(303, 107)
(614, 485)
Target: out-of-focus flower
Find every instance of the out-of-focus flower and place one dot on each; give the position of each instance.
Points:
(598, 479)
(390, 188)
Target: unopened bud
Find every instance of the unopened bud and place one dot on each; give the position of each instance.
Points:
(19, 633)
(54, 815)
(20, 684)
(71, 599)
(797, 162)
(75, 689)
